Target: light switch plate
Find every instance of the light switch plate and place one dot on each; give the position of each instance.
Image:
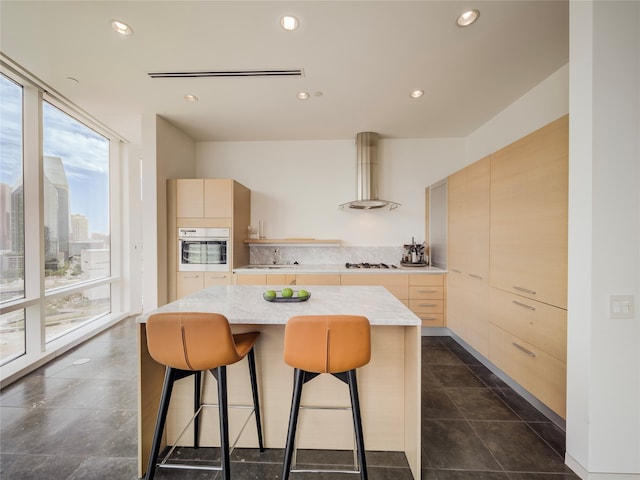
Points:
(621, 306)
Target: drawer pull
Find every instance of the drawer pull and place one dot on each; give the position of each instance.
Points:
(191, 276)
(456, 271)
(427, 305)
(520, 347)
(479, 277)
(523, 305)
(525, 290)
(217, 276)
(427, 291)
(429, 319)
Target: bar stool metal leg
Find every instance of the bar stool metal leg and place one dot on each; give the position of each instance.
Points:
(251, 359)
(224, 421)
(170, 377)
(197, 397)
(293, 421)
(357, 423)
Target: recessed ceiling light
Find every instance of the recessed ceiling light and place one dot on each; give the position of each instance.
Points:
(121, 27)
(289, 22)
(302, 95)
(417, 93)
(190, 98)
(467, 18)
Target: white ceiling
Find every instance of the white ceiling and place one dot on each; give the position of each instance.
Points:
(364, 56)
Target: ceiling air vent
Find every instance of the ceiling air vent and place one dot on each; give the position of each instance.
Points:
(229, 73)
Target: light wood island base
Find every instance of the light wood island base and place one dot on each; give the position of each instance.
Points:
(389, 388)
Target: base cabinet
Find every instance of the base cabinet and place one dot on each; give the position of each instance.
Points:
(191, 282)
(538, 372)
(468, 313)
(426, 299)
(286, 279)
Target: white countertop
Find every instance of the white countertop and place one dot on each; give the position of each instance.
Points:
(243, 304)
(340, 268)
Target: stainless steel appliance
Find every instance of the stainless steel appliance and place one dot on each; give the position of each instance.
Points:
(203, 249)
(415, 255)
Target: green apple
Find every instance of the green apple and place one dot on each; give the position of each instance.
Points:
(269, 295)
(287, 293)
(303, 294)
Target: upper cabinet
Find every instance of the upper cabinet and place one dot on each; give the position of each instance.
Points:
(204, 198)
(529, 215)
(468, 220)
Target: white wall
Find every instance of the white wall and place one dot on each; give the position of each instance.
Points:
(167, 153)
(603, 404)
(297, 186)
(543, 104)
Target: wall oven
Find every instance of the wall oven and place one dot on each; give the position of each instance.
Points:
(203, 249)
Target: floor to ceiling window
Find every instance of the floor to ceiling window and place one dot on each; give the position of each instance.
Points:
(76, 221)
(12, 331)
(58, 271)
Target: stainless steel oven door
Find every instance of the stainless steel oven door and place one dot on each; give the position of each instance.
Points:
(203, 255)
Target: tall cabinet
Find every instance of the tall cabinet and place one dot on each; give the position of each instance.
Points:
(507, 242)
(528, 262)
(206, 202)
(468, 261)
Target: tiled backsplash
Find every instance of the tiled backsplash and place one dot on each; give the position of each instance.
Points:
(310, 255)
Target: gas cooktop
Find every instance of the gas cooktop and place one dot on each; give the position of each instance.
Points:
(368, 265)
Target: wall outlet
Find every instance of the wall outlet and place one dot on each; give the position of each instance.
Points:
(621, 306)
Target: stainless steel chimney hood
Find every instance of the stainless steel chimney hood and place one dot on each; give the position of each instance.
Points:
(367, 175)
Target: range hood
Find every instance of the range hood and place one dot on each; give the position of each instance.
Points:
(367, 175)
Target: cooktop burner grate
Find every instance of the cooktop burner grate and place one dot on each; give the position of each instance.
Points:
(368, 265)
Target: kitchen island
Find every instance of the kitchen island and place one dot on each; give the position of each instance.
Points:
(389, 385)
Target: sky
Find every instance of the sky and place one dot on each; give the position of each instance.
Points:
(84, 153)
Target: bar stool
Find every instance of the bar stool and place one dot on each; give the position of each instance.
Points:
(188, 344)
(335, 344)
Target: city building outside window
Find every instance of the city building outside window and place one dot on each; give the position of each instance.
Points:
(57, 202)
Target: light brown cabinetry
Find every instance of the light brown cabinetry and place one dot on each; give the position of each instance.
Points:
(204, 198)
(529, 214)
(318, 279)
(424, 294)
(541, 374)
(507, 286)
(287, 279)
(206, 202)
(191, 282)
(427, 297)
(397, 284)
(468, 193)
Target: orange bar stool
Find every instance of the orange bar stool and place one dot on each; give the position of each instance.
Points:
(335, 344)
(188, 344)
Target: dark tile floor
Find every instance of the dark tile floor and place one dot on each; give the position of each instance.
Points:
(75, 419)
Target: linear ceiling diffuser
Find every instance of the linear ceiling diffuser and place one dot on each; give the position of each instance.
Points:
(367, 175)
(229, 73)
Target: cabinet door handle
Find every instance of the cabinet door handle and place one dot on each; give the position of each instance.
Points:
(523, 305)
(525, 290)
(217, 276)
(429, 319)
(427, 291)
(456, 271)
(427, 305)
(479, 277)
(525, 350)
(191, 276)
